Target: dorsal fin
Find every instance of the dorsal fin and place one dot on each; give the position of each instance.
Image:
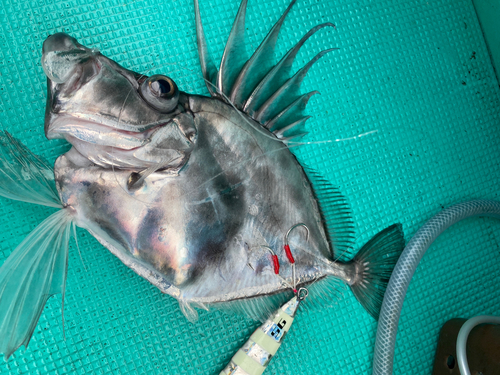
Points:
(264, 92)
(290, 113)
(277, 75)
(291, 130)
(336, 215)
(286, 93)
(258, 65)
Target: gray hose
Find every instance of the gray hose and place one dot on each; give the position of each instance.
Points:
(404, 270)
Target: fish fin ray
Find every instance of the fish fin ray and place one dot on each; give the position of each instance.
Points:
(375, 262)
(277, 76)
(292, 130)
(258, 65)
(287, 93)
(24, 176)
(254, 85)
(324, 292)
(294, 137)
(34, 271)
(256, 308)
(290, 114)
(336, 215)
(189, 312)
(234, 55)
(208, 68)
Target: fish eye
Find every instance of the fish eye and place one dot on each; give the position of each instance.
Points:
(160, 92)
(164, 88)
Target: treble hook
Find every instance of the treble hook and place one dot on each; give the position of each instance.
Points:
(288, 252)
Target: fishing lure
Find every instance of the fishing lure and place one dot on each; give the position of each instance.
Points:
(188, 191)
(256, 353)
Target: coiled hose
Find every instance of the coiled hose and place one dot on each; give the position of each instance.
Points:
(405, 268)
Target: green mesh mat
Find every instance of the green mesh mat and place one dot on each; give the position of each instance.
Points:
(416, 72)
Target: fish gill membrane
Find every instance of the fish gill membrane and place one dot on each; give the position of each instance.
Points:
(37, 268)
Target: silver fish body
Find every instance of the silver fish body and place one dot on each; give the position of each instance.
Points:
(197, 234)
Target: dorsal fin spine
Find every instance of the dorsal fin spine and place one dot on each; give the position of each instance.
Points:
(299, 104)
(277, 75)
(208, 68)
(280, 133)
(266, 94)
(255, 68)
(271, 106)
(234, 53)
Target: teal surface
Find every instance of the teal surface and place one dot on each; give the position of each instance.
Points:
(488, 13)
(415, 72)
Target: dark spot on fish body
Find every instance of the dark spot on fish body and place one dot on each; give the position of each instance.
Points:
(114, 232)
(210, 257)
(223, 185)
(209, 234)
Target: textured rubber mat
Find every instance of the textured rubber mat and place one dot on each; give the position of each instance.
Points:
(415, 75)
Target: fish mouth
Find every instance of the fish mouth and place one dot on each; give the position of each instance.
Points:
(102, 133)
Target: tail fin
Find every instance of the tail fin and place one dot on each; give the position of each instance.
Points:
(374, 264)
(36, 269)
(25, 176)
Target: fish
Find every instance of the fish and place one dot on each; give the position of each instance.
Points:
(200, 195)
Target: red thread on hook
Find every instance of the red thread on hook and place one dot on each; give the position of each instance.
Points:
(289, 254)
(276, 263)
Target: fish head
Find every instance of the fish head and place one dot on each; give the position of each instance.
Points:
(113, 116)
